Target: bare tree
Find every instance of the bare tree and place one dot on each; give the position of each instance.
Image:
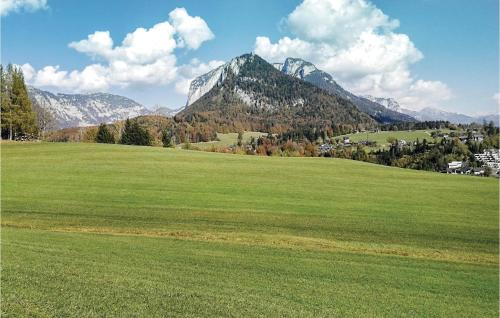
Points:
(45, 119)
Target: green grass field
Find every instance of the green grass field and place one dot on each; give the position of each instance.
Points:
(381, 137)
(109, 230)
(226, 140)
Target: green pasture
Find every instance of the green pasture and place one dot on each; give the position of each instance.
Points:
(92, 230)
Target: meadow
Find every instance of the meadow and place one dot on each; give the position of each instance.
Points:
(110, 230)
(228, 139)
(380, 137)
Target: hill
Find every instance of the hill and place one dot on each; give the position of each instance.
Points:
(113, 230)
(248, 93)
(77, 110)
(308, 72)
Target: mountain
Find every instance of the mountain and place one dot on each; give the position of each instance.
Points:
(247, 93)
(165, 111)
(429, 113)
(308, 72)
(432, 114)
(389, 103)
(72, 110)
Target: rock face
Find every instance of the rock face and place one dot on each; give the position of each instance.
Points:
(204, 83)
(73, 110)
(249, 93)
(308, 72)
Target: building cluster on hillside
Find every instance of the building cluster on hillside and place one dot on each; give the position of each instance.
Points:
(463, 167)
(489, 159)
(344, 142)
(475, 136)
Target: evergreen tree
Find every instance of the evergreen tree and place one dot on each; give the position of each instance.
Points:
(240, 139)
(166, 138)
(18, 117)
(134, 134)
(104, 136)
(6, 107)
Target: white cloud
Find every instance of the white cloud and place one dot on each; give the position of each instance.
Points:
(193, 31)
(144, 57)
(339, 21)
(357, 43)
(285, 47)
(424, 93)
(28, 71)
(496, 97)
(8, 6)
(97, 44)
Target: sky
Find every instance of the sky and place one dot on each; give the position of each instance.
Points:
(423, 53)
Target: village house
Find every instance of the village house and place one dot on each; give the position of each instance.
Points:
(478, 137)
(347, 141)
(324, 148)
(458, 167)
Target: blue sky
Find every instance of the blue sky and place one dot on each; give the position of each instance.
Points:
(440, 53)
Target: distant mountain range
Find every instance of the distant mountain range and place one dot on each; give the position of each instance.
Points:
(432, 114)
(79, 110)
(251, 94)
(73, 110)
(308, 72)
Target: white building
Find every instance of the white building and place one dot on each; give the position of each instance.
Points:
(455, 165)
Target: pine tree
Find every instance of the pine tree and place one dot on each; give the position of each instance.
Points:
(240, 139)
(18, 117)
(104, 136)
(134, 134)
(166, 138)
(6, 106)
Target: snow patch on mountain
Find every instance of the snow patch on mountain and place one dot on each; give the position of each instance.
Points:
(389, 103)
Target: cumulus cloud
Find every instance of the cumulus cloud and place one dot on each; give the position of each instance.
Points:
(8, 6)
(97, 44)
(358, 44)
(193, 31)
(496, 97)
(144, 57)
(340, 21)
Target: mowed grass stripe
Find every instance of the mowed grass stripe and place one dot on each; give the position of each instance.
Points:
(94, 275)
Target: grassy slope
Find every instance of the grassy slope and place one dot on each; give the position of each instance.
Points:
(118, 230)
(381, 136)
(228, 139)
